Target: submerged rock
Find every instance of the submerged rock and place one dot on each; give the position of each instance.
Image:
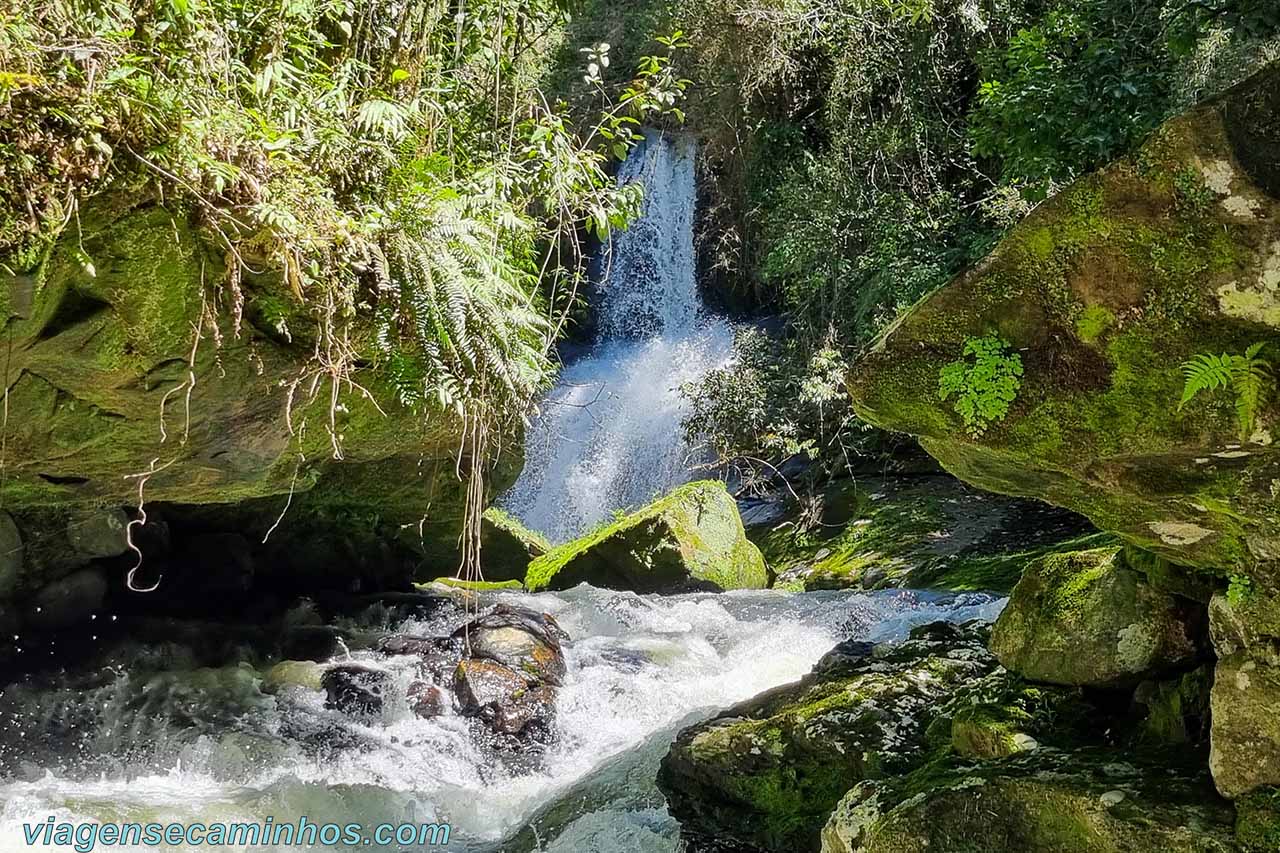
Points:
(357, 690)
(766, 773)
(1101, 293)
(1047, 801)
(306, 674)
(1085, 618)
(691, 538)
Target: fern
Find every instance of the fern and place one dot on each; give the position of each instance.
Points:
(1248, 376)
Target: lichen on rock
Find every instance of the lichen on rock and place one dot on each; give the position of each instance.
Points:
(1085, 618)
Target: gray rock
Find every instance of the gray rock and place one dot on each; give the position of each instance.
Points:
(98, 532)
(356, 690)
(66, 602)
(1244, 733)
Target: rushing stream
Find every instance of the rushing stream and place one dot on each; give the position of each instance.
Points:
(139, 743)
(609, 434)
(148, 737)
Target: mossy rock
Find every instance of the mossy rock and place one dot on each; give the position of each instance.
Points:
(1086, 619)
(1245, 728)
(106, 396)
(1046, 801)
(1180, 245)
(922, 532)
(1258, 821)
(766, 773)
(507, 546)
(690, 539)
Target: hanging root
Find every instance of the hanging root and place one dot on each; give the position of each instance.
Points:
(140, 521)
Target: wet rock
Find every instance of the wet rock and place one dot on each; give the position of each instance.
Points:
(507, 546)
(66, 602)
(437, 656)
(519, 639)
(1085, 618)
(1048, 801)
(310, 642)
(306, 674)
(98, 532)
(427, 700)
(356, 690)
(766, 774)
(10, 555)
(507, 701)
(693, 535)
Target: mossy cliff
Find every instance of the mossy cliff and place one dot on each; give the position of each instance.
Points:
(1103, 292)
(103, 387)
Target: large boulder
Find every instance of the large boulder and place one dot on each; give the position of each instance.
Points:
(1085, 618)
(1046, 801)
(1085, 310)
(766, 773)
(692, 538)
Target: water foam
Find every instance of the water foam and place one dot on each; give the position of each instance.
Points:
(608, 435)
(639, 668)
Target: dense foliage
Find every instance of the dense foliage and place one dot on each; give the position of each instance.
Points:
(876, 149)
(388, 181)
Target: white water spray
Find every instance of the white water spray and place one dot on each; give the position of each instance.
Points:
(609, 434)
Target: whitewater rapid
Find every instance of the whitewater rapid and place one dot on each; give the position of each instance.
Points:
(145, 741)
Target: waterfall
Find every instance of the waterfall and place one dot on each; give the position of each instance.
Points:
(608, 435)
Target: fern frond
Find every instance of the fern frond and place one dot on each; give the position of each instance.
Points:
(1205, 373)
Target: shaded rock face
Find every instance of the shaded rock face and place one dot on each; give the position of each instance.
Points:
(1103, 291)
(767, 773)
(1086, 619)
(507, 546)
(691, 539)
(94, 357)
(1048, 801)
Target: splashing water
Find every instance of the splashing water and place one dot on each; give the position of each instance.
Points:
(141, 744)
(609, 434)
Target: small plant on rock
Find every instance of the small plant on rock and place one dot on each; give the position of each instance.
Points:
(983, 381)
(1239, 589)
(1247, 375)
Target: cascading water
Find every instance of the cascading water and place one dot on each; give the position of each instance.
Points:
(609, 434)
(152, 738)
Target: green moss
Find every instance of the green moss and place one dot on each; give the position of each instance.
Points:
(1258, 821)
(476, 586)
(1093, 322)
(693, 533)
